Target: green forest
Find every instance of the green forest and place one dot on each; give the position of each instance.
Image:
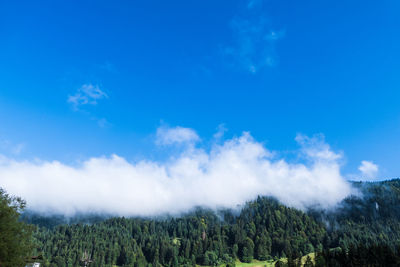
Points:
(363, 230)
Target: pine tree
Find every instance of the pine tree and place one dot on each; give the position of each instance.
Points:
(247, 250)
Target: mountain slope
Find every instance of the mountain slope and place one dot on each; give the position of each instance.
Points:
(264, 229)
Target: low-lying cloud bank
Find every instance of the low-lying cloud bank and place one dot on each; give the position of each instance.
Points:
(227, 175)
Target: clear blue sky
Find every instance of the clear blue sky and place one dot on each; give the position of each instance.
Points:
(272, 67)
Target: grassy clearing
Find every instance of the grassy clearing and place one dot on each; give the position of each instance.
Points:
(256, 263)
(269, 263)
(304, 258)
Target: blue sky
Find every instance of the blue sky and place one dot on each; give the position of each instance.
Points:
(81, 79)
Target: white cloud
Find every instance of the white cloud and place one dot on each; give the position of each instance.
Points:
(87, 94)
(176, 135)
(18, 148)
(10, 147)
(368, 169)
(103, 122)
(221, 129)
(315, 148)
(227, 175)
(253, 47)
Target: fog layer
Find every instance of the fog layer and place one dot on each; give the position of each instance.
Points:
(224, 176)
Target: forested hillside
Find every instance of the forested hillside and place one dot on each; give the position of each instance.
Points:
(372, 218)
(264, 229)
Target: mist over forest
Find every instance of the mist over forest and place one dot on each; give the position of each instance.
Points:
(227, 175)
